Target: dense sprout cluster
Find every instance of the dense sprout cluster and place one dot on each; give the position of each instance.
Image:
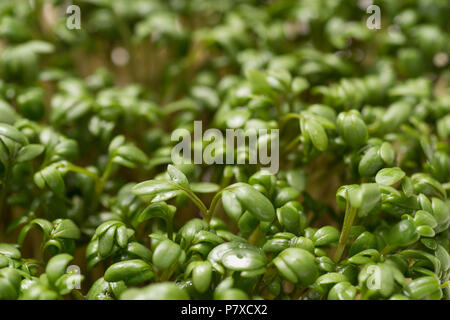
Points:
(92, 206)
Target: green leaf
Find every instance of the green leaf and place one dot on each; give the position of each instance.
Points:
(426, 231)
(116, 143)
(178, 177)
(285, 195)
(102, 290)
(297, 266)
(365, 240)
(325, 236)
(122, 236)
(207, 236)
(139, 250)
(330, 278)
(216, 254)
(7, 113)
(317, 134)
(12, 133)
(422, 217)
(39, 46)
(166, 254)
(403, 234)
(201, 275)
(9, 283)
(253, 201)
(231, 205)
(276, 245)
(65, 228)
(240, 259)
(106, 242)
(230, 294)
(389, 176)
(425, 184)
(424, 288)
(10, 251)
(371, 162)
(342, 291)
(204, 187)
(365, 256)
(132, 272)
(387, 153)
(56, 267)
(289, 217)
(259, 82)
(237, 118)
(297, 179)
(157, 210)
(407, 186)
(132, 153)
(152, 187)
(52, 178)
(156, 291)
(352, 128)
(299, 85)
(428, 260)
(441, 212)
(45, 225)
(29, 152)
(367, 198)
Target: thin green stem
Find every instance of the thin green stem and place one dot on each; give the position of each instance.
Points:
(81, 170)
(166, 274)
(297, 139)
(349, 218)
(225, 182)
(199, 203)
(255, 236)
(267, 278)
(213, 205)
(292, 144)
(288, 117)
(101, 183)
(387, 249)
